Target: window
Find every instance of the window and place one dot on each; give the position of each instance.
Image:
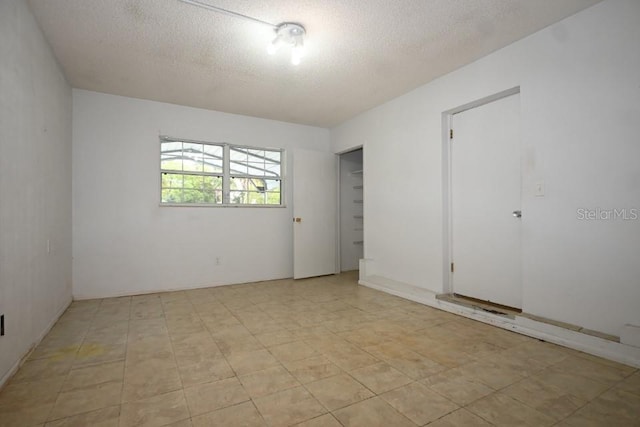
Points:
(216, 174)
(191, 172)
(255, 176)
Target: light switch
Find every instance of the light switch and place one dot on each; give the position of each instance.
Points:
(539, 189)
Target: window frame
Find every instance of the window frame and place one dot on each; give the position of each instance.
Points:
(226, 175)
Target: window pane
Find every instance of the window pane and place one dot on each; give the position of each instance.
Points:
(239, 169)
(171, 180)
(272, 184)
(248, 197)
(171, 195)
(212, 182)
(238, 154)
(247, 184)
(193, 157)
(193, 196)
(273, 192)
(171, 155)
(212, 196)
(237, 197)
(239, 159)
(273, 156)
(273, 169)
(256, 168)
(254, 198)
(193, 181)
(273, 198)
(212, 158)
(238, 183)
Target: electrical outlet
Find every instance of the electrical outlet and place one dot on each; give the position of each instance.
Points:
(1, 325)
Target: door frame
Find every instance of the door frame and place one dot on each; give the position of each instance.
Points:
(339, 210)
(447, 194)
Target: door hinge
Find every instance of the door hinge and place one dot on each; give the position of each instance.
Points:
(450, 133)
(452, 267)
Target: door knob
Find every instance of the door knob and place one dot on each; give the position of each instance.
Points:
(517, 214)
(297, 219)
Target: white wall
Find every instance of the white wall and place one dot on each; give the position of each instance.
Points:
(35, 185)
(350, 227)
(580, 101)
(125, 243)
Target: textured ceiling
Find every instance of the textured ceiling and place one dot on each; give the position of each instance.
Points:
(359, 53)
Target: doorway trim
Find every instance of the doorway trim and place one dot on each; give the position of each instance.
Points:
(339, 210)
(447, 195)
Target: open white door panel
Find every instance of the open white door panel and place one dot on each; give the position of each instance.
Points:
(315, 211)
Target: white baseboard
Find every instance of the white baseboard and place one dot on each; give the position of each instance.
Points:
(629, 355)
(630, 335)
(6, 377)
(191, 287)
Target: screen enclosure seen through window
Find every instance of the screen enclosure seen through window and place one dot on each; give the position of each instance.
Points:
(219, 174)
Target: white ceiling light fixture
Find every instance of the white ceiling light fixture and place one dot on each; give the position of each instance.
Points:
(287, 33)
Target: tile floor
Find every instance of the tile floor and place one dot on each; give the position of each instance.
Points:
(317, 352)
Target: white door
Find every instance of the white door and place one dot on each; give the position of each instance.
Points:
(486, 202)
(315, 211)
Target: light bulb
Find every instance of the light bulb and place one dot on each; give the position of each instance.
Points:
(275, 45)
(296, 54)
